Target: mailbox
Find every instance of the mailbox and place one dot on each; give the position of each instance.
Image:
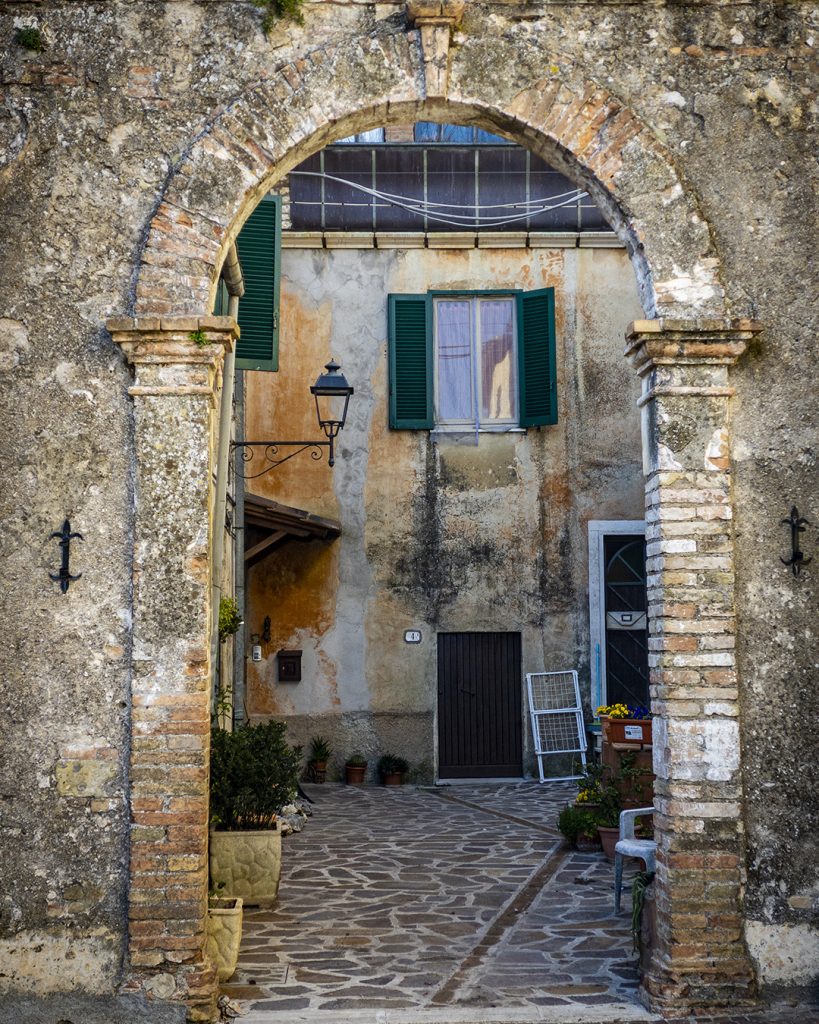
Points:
(289, 663)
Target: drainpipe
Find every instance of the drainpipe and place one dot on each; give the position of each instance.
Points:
(239, 654)
(232, 274)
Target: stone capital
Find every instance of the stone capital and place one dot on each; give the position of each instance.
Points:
(654, 343)
(174, 356)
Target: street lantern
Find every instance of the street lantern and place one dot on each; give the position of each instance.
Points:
(332, 394)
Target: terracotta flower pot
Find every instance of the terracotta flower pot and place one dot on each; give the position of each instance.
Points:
(391, 778)
(355, 773)
(587, 843)
(608, 837)
(636, 731)
(318, 771)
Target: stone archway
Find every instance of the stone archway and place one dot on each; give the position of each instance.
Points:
(683, 355)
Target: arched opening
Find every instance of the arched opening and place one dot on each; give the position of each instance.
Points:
(469, 532)
(603, 147)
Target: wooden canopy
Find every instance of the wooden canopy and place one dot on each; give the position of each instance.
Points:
(268, 524)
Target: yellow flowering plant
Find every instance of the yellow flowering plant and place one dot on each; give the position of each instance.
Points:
(637, 711)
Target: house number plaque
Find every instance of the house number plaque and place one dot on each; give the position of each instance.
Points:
(412, 636)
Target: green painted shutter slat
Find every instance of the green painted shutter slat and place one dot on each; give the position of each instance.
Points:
(220, 305)
(410, 363)
(259, 247)
(536, 358)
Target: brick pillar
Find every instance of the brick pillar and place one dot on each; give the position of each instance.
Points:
(698, 956)
(176, 363)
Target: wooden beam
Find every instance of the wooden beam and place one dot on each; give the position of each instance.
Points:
(258, 551)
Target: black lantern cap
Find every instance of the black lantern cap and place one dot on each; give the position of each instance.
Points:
(332, 382)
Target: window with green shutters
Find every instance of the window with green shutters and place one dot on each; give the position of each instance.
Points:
(259, 247)
(461, 358)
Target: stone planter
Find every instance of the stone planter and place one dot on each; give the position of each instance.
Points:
(247, 864)
(224, 935)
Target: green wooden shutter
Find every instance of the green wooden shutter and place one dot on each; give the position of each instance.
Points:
(220, 305)
(259, 245)
(410, 363)
(536, 357)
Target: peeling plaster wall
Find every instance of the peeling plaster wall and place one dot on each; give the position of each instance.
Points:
(437, 534)
(90, 132)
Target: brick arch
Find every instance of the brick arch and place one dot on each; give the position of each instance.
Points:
(569, 120)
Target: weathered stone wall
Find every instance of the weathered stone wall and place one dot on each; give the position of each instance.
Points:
(437, 534)
(117, 107)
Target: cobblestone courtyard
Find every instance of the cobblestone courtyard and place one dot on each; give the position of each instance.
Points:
(454, 900)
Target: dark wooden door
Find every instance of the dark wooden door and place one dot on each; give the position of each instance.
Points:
(479, 706)
(626, 621)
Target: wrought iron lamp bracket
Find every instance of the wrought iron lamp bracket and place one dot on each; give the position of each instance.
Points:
(270, 457)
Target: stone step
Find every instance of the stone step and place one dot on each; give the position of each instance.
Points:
(609, 1013)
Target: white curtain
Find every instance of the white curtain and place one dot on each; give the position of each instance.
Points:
(498, 375)
(455, 374)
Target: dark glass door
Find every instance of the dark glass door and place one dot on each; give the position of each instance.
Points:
(626, 620)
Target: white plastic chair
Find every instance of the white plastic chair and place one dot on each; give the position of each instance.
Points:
(627, 846)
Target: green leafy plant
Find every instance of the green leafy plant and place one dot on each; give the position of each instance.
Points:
(642, 880)
(568, 823)
(389, 764)
(198, 337)
(30, 39)
(290, 10)
(607, 814)
(253, 774)
(574, 822)
(223, 706)
(320, 749)
(357, 761)
(590, 784)
(229, 618)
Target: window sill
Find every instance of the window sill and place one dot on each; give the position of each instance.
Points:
(465, 435)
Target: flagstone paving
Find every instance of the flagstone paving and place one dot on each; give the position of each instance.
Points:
(456, 897)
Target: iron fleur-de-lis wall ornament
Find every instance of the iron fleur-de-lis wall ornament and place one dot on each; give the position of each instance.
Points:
(797, 524)
(64, 577)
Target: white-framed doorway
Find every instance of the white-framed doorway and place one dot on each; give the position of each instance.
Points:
(599, 529)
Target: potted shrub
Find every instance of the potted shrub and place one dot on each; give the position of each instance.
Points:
(579, 828)
(224, 934)
(319, 756)
(355, 769)
(253, 774)
(391, 768)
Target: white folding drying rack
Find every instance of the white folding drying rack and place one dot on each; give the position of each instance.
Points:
(557, 717)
